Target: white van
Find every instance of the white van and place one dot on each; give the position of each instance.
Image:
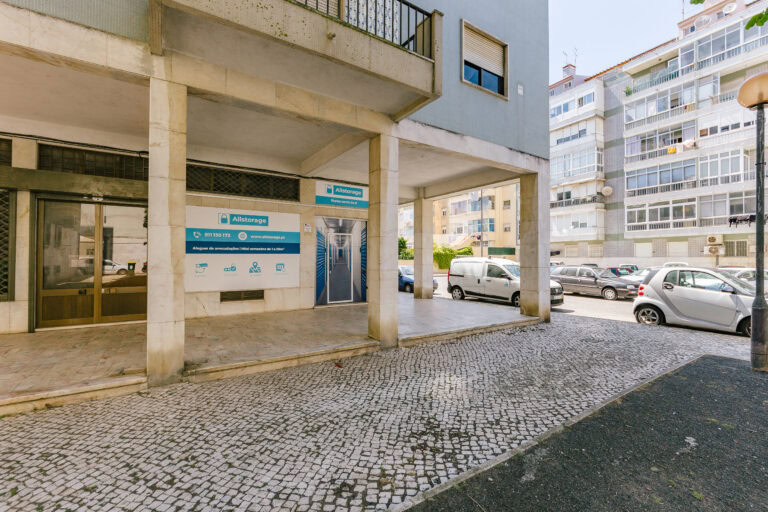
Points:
(491, 278)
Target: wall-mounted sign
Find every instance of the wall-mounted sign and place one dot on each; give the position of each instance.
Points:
(232, 250)
(337, 194)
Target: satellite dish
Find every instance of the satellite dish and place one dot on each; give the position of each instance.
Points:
(702, 21)
(607, 191)
(728, 9)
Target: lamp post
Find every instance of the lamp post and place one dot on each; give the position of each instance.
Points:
(754, 95)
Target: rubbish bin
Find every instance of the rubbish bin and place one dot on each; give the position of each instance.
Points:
(132, 266)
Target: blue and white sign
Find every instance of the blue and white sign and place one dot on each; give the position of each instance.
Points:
(337, 194)
(232, 250)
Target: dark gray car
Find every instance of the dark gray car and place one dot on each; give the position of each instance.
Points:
(594, 281)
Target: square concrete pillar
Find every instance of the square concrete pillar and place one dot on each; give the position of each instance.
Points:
(534, 246)
(382, 240)
(23, 155)
(422, 248)
(166, 237)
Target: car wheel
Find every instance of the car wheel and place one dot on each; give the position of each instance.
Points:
(457, 293)
(610, 294)
(649, 315)
(516, 300)
(408, 288)
(122, 272)
(745, 327)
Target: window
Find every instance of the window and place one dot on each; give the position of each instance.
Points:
(507, 204)
(444, 230)
(484, 60)
(507, 228)
(445, 212)
(92, 163)
(737, 248)
(587, 99)
(570, 272)
(563, 196)
(495, 271)
(671, 277)
(241, 183)
(6, 221)
(585, 272)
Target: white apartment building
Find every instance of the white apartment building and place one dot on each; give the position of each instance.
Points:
(674, 148)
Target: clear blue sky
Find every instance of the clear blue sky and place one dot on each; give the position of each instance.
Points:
(607, 32)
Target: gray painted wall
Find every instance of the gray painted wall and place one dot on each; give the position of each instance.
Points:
(522, 122)
(127, 18)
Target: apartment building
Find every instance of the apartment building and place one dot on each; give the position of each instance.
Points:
(486, 218)
(224, 157)
(673, 147)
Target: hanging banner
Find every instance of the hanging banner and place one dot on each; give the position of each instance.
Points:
(337, 194)
(234, 250)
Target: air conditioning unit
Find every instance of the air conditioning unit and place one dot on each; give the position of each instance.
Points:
(715, 250)
(715, 240)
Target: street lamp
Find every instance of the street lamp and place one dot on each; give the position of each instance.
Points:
(754, 95)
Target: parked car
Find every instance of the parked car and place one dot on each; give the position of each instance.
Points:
(491, 278)
(748, 274)
(639, 276)
(733, 270)
(619, 271)
(697, 297)
(630, 266)
(405, 279)
(675, 264)
(110, 267)
(594, 281)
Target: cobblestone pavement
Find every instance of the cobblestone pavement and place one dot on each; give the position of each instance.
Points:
(366, 436)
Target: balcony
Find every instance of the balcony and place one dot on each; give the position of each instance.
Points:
(595, 199)
(660, 189)
(653, 81)
(654, 226)
(682, 109)
(378, 54)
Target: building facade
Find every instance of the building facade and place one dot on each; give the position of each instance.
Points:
(221, 158)
(664, 157)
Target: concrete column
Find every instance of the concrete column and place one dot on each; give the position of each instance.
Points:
(382, 240)
(23, 155)
(423, 219)
(534, 246)
(166, 238)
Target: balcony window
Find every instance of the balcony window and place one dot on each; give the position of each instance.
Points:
(687, 55)
(571, 165)
(507, 204)
(484, 60)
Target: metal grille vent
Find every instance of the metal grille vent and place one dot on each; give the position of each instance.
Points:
(237, 183)
(92, 163)
(5, 243)
(240, 296)
(5, 152)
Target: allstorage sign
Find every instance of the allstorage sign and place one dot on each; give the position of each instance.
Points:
(233, 250)
(335, 194)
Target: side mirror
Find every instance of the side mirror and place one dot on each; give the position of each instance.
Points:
(728, 289)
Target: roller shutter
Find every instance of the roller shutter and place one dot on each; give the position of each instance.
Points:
(484, 52)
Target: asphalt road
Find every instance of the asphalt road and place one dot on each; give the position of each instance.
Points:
(594, 307)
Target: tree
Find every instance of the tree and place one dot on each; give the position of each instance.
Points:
(757, 19)
(402, 244)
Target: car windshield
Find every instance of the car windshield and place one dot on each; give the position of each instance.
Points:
(407, 271)
(513, 269)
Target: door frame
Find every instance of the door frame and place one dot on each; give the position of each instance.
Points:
(351, 271)
(97, 290)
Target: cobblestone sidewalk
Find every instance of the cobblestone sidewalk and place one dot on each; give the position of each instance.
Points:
(366, 436)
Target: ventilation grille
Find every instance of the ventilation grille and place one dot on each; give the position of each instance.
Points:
(5, 244)
(240, 296)
(5, 152)
(237, 183)
(92, 163)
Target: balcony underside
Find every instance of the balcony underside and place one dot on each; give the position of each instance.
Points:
(283, 42)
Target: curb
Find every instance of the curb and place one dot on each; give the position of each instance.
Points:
(524, 447)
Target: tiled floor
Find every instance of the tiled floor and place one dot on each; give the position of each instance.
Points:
(48, 360)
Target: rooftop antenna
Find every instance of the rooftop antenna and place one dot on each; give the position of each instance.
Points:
(575, 56)
(683, 9)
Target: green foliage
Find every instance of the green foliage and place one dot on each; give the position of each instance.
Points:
(406, 254)
(402, 244)
(444, 255)
(757, 19)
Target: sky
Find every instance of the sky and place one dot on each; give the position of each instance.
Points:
(606, 32)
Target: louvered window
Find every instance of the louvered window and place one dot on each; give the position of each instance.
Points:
(241, 183)
(92, 163)
(5, 151)
(484, 60)
(5, 244)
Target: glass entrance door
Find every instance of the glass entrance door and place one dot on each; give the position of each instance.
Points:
(71, 287)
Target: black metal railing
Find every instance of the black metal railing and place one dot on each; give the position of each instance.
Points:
(397, 21)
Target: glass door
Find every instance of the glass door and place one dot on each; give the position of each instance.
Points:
(67, 241)
(124, 260)
(71, 288)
